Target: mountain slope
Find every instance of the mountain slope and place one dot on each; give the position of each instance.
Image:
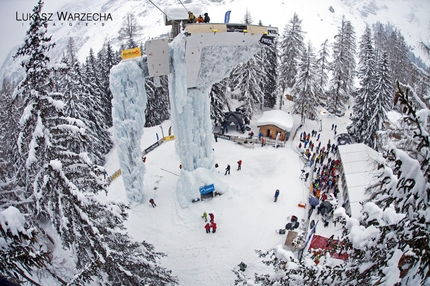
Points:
(319, 20)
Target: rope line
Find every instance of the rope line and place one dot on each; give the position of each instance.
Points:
(161, 10)
(184, 6)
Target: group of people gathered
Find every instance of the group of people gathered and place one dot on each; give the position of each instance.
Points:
(325, 167)
(192, 18)
(320, 154)
(211, 224)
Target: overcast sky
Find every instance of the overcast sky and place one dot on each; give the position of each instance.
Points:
(12, 31)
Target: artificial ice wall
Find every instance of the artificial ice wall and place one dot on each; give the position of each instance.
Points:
(190, 115)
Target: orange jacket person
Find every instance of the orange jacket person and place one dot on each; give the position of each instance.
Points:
(200, 19)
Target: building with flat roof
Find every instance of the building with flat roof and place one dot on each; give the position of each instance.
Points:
(357, 171)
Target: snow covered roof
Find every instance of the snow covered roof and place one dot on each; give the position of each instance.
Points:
(359, 167)
(278, 118)
(178, 12)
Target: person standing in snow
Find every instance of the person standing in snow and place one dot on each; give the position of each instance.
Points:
(276, 195)
(262, 142)
(151, 201)
(205, 216)
(213, 227)
(208, 228)
(207, 19)
(227, 170)
(239, 165)
(216, 137)
(212, 217)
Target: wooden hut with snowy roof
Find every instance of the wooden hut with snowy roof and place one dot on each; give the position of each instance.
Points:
(275, 121)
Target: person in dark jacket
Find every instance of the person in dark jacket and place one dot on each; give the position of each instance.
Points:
(207, 19)
(276, 195)
(227, 170)
(151, 201)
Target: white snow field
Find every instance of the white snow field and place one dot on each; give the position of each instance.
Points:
(246, 214)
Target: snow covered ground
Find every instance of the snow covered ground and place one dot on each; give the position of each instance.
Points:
(246, 215)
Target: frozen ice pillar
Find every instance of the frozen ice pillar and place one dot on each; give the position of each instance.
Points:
(190, 109)
(127, 84)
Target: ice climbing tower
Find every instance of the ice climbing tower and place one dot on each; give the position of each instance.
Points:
(198, 57)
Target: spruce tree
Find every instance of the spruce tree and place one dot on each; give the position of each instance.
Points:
(380, 37)
(363, 110)
(291, 49)
(157, 106)
(94, 100)
(61, 187)
(306, 87)
(404, 188)
(342, 67)
(270, 75)
(381, 101)
(247, 18)
(10, 113)
(219, 102)
(20, 252)
(398, 57)
(323, 68)
(110, 59)
(248, 78)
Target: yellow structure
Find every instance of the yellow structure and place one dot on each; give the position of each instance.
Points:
(131, 53)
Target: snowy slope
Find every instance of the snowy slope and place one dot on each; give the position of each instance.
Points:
(411, 17)
(246, 215)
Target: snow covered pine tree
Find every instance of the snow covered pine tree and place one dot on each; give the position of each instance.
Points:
(60, 187)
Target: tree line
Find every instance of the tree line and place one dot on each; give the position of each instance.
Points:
(395, 218)
(53, 224)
